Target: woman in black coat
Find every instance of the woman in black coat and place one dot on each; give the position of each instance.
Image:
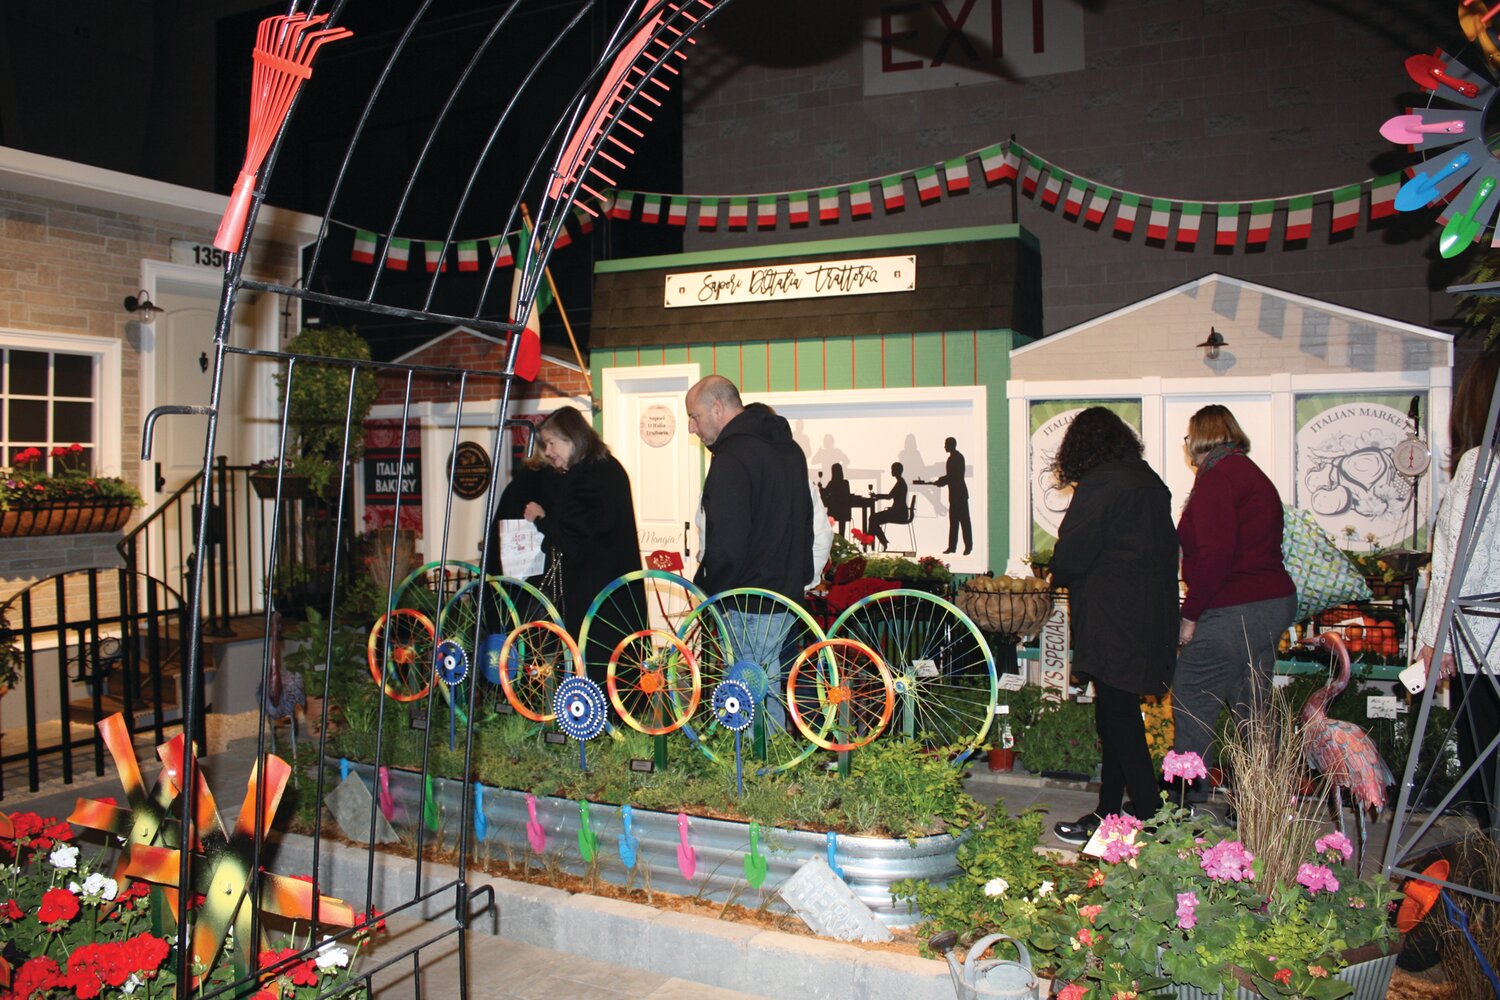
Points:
(1117, 555)
(588, 529)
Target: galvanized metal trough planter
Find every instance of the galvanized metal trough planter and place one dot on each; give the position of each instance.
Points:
(656, 852)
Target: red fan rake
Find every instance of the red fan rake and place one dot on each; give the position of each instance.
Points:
(284, 49)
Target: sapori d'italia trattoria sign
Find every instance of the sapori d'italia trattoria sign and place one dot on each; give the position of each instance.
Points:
(802, 280)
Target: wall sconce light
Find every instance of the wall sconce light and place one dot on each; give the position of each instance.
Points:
(1212, 344)
(141, 303)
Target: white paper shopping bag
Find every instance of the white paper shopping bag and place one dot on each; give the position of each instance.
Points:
(521, 553)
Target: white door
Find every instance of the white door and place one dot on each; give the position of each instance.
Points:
(1256, 415)
(645, 426)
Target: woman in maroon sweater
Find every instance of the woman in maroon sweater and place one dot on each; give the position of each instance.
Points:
(1239, 597)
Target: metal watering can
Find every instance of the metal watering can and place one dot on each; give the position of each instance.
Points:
(976, 977)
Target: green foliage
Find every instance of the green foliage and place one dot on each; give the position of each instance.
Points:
(11, 657)
(929, 570)
(320, 396)
(1481, 313)
(895, 789)
(1059, 736)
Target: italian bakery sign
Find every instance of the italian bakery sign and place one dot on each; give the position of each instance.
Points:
(824, 279)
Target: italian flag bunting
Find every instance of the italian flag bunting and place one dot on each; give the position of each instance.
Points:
(860, 206)
(1383, 195)
(1160, 222)
(828, 205)
(1125, 219)
(1228, 230)
(529, 356)
(468, 255)
(622, 204)
(400, 253)
(1052, 190)
(563, 236)
(677, 212)
(1261, 214)
(893, 193)
(651, 209)
(584, 218)
(500, 247)
(364, 247)
(1033, 175)
(1299, 217)
(928, 188)
(739, 213)
(1189, 222)
(435, 255)
(796, 208)
(1345, 208)
(956, 174)
(708, 213)
(765, 212)
(1073, 203)
(1098, 205)
(998, 163)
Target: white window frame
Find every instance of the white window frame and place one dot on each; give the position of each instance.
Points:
(108, 375)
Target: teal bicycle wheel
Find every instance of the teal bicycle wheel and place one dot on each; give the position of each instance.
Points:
(753, 637)
(479, 617)
(943, 669)
(646, 599)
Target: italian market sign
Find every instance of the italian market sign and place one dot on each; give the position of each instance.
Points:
(804, 280)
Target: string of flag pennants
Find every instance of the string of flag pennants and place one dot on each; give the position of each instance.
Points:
(435, 254)
(1178, 220)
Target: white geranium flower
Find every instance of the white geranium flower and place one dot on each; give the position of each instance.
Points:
(132, 984)
(1045, 889)
(331, 956)
(100, 885)
(996, 887)
(64, 856)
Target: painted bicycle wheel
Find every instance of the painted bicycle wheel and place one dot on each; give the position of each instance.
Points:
(431, 585)
(480, 616)
(644, 599)
(400, 652)
(840, 694)
(533, 661)
(751, 636)
(942, 667)
(653, 682)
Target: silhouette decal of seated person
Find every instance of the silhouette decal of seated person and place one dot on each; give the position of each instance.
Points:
(837, 498)
(899, 512)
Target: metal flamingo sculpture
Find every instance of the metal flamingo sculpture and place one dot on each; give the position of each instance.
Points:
(1340, 749)
(284, 696)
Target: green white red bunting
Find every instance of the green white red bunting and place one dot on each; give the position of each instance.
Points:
(1000, 162)
(1228, 232)
(1189, 223)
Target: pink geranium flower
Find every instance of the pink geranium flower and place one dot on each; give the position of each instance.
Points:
(1316, 877)
(1187, 910)
(1187, 766)
(1335, 841)
(1072, 991)
(1117, 837)
(1228, 861)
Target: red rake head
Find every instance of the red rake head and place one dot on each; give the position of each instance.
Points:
(284, 49)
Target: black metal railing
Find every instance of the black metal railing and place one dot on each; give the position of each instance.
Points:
(93, 642)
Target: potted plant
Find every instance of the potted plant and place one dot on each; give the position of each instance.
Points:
(1040, 561)
(315, 411)
(54, 493)
(1061, 741)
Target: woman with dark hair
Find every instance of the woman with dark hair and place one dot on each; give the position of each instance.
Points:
(1117, 555)
(588, 527)
(1239, 598)
(1477, 708)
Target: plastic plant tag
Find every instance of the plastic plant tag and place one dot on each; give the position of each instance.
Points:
(351, 805)
(829, 907)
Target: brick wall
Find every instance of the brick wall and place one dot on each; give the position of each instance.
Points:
(1211, 100)
(466, 350)
(66, 268)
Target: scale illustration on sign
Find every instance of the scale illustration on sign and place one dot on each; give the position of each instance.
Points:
(1347, 472)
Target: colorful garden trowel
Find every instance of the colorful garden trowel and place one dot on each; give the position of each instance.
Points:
(1422, 189)
(588, 840)
(535, 835)
(687, 857)
(629, 843)
(755, 862)
(1428, 71)
(1463, 229)
(1408, 130)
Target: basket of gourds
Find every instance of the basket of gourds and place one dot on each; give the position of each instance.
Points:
(1005, 605)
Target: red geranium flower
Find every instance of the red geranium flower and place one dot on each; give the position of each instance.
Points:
(303, 973)
(1283, 976)
(37, 975)
(58, 907)
(61, 830)
(12, 910)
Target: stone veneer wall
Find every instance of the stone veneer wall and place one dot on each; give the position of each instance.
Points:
(66, 268)
(1209, 99)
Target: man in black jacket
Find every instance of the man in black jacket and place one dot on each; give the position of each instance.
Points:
(757, 515)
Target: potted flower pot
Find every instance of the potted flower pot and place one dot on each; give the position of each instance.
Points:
(1002, 759)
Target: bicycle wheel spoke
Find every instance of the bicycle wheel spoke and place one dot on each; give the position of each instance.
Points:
(400, 654)
(653, 682)
(534, 659)
(841, 694)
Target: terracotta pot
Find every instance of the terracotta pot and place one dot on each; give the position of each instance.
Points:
(1002, 759)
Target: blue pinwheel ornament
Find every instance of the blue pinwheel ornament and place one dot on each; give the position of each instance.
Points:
(579, 705)
(734, 708)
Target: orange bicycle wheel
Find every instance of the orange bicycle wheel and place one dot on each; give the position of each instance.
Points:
(653, 681)
(400, 654)
(840, 694)
(533, 661)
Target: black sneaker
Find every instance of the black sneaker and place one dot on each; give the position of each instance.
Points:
(1077, 832)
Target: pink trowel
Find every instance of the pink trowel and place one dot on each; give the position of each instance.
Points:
(1408, 130)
